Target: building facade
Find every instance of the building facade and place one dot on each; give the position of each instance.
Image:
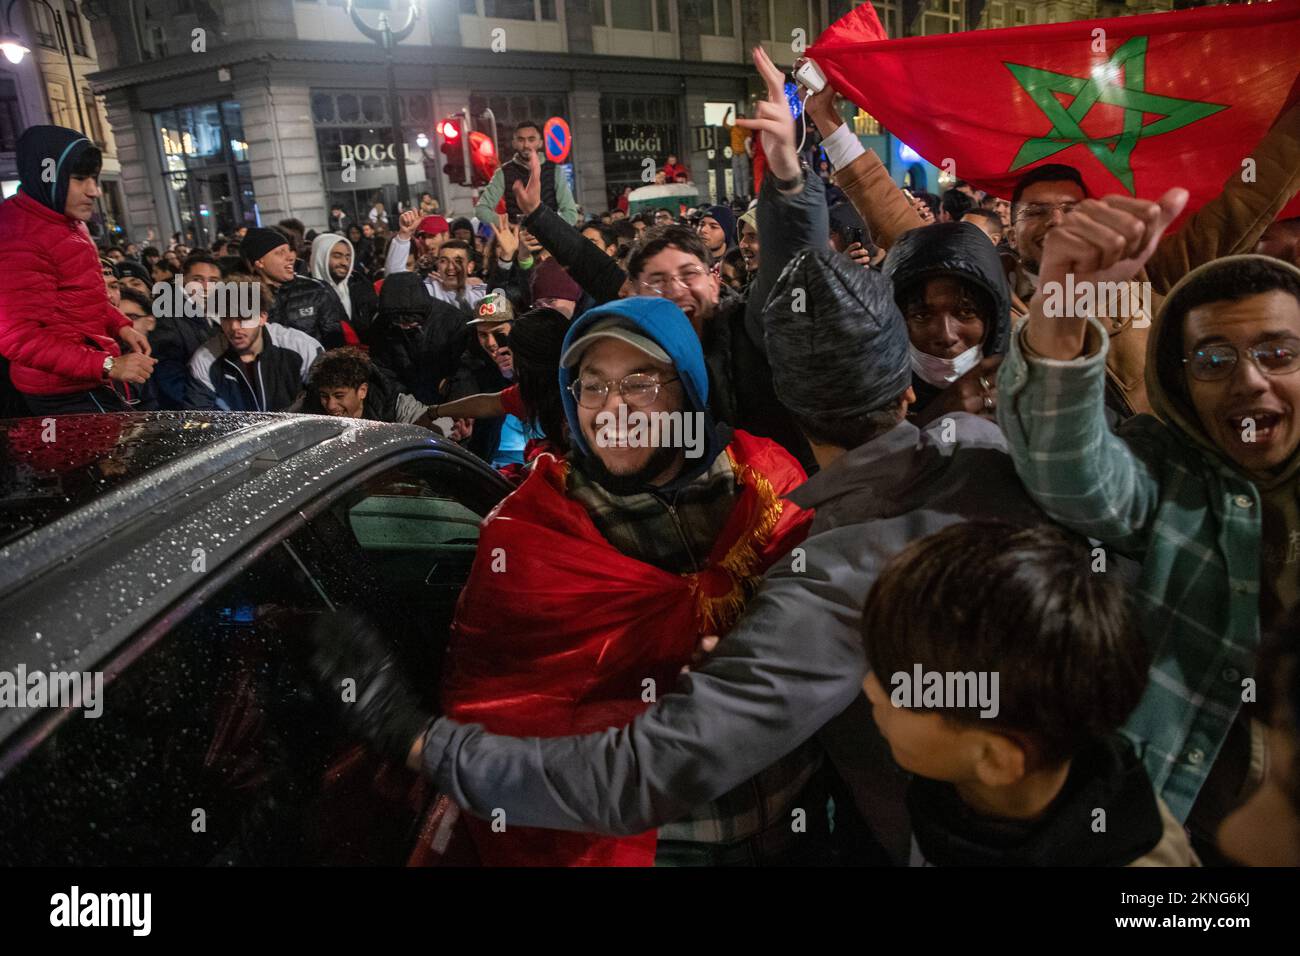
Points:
(41, 88)
(244, 111)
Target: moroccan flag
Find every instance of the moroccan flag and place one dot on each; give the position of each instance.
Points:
(1136, 104)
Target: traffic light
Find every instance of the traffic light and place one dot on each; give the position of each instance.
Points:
(483, 158)
(453, 147)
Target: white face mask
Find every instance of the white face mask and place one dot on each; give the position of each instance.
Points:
(941, 372)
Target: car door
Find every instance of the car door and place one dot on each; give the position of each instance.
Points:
(215, 746)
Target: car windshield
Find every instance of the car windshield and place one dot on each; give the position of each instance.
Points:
(50, 467)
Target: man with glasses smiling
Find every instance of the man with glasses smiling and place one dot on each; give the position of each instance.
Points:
(1205, 496)
(672, 262)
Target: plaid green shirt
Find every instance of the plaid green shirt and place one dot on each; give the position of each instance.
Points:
(1192, 522)
(678, 536)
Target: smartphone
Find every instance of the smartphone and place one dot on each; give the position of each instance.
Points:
(809, 75)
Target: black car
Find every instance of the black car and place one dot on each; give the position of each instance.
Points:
(184, 557)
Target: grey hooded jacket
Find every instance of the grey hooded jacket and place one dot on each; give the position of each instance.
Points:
(792, 665)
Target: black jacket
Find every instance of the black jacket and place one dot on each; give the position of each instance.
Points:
(960, 250)
(365, 304)
(310, 306)
(421, 357)
(476, 374)
(174, 341)
(218, 379)
(740, 380)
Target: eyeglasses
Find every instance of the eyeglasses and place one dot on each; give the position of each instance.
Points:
(637, 389)
(1041, 210)
(1216, 362)
(662, 284)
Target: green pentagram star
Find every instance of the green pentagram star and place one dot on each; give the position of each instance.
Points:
(1103, 86)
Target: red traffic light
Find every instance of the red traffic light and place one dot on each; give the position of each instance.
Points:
(449, 128)
(483, 156)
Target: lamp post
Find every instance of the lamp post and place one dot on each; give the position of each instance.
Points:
(14, 50)
(388, 38)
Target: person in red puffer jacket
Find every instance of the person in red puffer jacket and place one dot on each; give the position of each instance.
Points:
(58, 330)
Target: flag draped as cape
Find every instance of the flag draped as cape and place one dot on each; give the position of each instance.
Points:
(558, 633)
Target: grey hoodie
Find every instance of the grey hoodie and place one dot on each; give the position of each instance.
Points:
(320, 266)
(792, 665)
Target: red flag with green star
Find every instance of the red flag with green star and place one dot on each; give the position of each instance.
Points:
(1136, 104)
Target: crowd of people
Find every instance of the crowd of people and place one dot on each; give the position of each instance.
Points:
(907, 466)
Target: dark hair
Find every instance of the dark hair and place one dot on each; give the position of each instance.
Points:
(853, 431)
(956, 204)
(88, 163)
(668, 236)
(292, 225)
(457, 244)
(259, 293)
(736, 259)
(148, 251)
(1229, 281)
(986, 214)
(624, 230)
(138, 297)
(608, 237)
(526, 124)
(931, 200)
(344, 367)
(987, 596)
(536, 341)
(199, 258)
(1048, 173)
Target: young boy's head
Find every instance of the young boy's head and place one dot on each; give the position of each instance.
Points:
(997, 652)
(1265, 830)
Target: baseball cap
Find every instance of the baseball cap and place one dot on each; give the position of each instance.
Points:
(614, 328)
(493, 309)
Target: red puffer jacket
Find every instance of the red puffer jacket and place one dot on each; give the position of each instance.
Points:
(56, 325)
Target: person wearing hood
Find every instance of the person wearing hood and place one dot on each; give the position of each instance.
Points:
(487, 366)
(949, 284)
(299, 301)
(63, 340)
(1228, 224)
(672, 261)
(622, 558)
(792, 666)
(1206, 496)
(333, 261)
(417, 338)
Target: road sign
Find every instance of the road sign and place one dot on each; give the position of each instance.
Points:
(557, 139)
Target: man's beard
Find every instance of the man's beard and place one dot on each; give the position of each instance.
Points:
(660, 460)
(339, 275)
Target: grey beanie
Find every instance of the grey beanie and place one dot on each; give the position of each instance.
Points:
(836, 341)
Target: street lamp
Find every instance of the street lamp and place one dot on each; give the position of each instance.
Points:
(14, 50)
(388, 39)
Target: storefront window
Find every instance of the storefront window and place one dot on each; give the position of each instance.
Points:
(205, 165)
(629, 137)
(358, 158)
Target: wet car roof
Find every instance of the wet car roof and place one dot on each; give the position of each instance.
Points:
(51, 467)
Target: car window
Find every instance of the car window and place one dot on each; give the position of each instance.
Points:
(215, 746)
(399, 547)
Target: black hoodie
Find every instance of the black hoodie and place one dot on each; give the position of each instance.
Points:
(960, 250)
(423, 356)
(1106, 776)
(39, 144)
